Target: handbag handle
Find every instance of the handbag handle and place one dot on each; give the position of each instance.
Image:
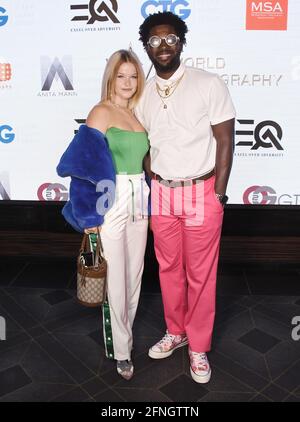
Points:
(99, 250)
(86, 246)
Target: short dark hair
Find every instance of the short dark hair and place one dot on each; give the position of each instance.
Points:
(162, 18)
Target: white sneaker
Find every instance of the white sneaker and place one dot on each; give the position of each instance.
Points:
(200, 368)
(166, 346)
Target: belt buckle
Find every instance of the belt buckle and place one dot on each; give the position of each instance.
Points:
(170, 183)
(186, 183)
(181, 183)
(176, 184)
(164, 182)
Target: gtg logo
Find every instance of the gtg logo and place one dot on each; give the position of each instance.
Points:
(3, 18)
(265, 195)
(178, 7)
(5, 134)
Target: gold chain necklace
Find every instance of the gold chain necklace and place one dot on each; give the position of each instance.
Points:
(168, 91)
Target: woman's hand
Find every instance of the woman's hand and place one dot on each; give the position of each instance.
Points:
(92, 230)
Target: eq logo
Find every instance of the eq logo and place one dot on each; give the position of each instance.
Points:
(102, 12)
(3, 17)
(5, 72)
(178, 7)
(263, 195)
(58, 70)
(266, 134)
(6, 135)
(52, 192)
(80, 122)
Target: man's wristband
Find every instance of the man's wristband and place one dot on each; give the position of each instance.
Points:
(222, 198)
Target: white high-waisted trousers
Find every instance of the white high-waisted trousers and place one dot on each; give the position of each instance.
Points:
(124, 237)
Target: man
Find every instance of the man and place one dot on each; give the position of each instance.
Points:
(189, 117)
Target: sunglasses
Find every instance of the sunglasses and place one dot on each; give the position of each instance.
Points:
(170, 40)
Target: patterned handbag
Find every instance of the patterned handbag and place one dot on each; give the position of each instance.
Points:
(91, 272)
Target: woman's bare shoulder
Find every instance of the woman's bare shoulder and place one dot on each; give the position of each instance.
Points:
(99, 117)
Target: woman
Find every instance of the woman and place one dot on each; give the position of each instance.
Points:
(124, 230)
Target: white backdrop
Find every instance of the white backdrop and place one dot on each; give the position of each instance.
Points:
(56, 54)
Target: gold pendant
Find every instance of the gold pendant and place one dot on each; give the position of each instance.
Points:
(167, 91)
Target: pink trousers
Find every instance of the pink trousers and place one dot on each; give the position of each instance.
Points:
(187, 223)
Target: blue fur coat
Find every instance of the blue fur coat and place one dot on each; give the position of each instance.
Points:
(87, 160)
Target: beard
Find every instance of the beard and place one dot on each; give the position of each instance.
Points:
(168, 67)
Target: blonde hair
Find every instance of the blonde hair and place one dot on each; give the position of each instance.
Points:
(111, 71)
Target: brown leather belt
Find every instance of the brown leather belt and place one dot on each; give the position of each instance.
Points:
(182, 183)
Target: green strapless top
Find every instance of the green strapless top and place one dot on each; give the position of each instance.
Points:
(128, 149)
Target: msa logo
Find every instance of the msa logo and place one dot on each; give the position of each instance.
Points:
(266, 6)
(267, 15)
(56, 70)
(178, 7)
(266, 134)
(102, 12)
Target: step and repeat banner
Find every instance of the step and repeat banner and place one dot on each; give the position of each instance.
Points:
(52, 57)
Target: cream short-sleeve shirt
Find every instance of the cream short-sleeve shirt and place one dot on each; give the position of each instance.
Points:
(181, 138)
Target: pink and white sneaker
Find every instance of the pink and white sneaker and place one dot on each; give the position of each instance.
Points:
(200, 368)
(166, 346)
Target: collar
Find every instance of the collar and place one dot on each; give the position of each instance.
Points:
(165, 82)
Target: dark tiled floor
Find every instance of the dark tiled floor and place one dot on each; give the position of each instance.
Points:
(54, 351)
